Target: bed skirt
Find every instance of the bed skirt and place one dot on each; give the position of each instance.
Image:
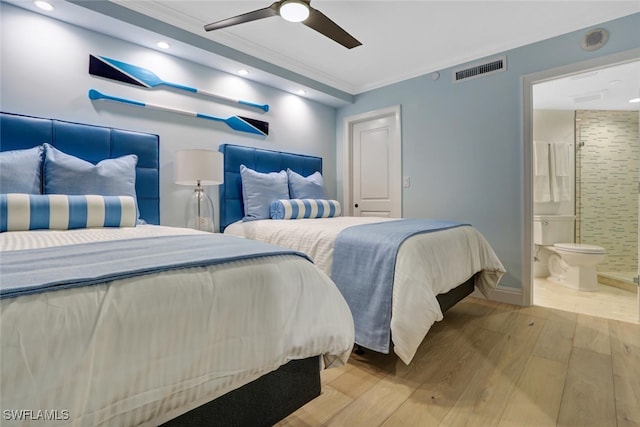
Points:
(455, 295)
(262, 402)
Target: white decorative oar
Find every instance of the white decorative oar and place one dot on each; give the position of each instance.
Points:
(243, 124)
(128, 73)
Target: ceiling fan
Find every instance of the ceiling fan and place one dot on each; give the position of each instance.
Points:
(293, 11)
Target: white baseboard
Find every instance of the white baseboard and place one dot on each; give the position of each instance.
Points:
(502, 294)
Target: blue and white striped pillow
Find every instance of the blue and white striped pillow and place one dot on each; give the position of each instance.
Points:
(22, 212)
(304, 208)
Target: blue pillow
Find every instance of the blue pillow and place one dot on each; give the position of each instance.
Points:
(305, 208)
(310, 187)
(67, 174)
(22, 212)
(259, 190)
(21, 171)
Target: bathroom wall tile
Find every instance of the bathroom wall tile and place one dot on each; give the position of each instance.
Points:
(607, 171)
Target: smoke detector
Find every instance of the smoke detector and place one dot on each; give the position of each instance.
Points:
(594, 39)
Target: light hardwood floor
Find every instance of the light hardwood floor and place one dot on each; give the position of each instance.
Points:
(492, 364)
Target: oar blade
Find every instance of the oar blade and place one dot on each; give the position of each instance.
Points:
(100, 68)
(245, 124)
(129, 73)
(260, 125)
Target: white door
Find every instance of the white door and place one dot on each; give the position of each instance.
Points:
(375, 164)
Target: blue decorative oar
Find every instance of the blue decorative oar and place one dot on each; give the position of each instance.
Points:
(243, 124)
(128, 73)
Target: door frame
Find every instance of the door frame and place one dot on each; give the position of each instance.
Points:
(527, 83)
(349, 123)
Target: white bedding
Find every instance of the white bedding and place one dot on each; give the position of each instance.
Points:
(141, 351)
(428, 264)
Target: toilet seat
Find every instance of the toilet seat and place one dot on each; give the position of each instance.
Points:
(580, 248)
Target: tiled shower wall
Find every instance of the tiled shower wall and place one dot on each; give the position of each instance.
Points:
(607, 170)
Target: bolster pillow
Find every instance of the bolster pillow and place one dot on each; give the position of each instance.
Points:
(304, 208)
(22, 212)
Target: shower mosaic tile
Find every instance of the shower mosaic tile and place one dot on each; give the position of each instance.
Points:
(607, 172)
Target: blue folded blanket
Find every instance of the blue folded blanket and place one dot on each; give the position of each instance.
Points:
(364, 260)
(38, 270)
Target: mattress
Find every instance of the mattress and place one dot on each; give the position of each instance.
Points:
(427, 265)
(143, 350)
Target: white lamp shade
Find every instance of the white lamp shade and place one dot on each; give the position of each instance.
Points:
(195, 165)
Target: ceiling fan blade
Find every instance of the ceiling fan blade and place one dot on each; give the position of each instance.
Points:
(322, 24)
(245, 17)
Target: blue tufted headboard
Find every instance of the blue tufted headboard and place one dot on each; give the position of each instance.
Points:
(91, 143)
(231, 205)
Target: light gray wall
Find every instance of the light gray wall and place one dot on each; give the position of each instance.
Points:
(44, 73)
(462, 142)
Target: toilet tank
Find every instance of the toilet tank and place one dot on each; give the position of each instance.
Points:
(550, 229)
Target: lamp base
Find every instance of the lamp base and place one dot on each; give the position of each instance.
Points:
(200, 214)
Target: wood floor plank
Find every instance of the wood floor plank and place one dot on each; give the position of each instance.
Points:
(490, 364)
(625, 354)
(446, 379)
(556, 339)
(355, 382)
(374, 406)
(484, 399)
(588, 397)
(327, 375)
(592, 333)
(319, 410)
(535, 402)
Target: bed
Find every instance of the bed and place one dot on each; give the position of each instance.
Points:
(207, 340)
(432, 270)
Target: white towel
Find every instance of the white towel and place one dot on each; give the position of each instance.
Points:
(561, 172)
(562, 159)
(541, 189)
(541, 180)
(540, 158)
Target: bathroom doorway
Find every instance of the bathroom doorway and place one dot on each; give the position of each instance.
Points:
(588, 113)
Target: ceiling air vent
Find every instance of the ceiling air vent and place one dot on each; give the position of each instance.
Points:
(482, 69)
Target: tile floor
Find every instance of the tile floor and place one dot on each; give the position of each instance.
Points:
(609, 302)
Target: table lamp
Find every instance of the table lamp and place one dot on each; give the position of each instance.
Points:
(199, 167)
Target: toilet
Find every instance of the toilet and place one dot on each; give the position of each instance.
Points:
(570, 264)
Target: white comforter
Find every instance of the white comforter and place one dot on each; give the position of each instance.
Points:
(428, 264)
(146, 349)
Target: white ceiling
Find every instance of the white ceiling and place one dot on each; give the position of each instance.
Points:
(605, 89)
(401, 39)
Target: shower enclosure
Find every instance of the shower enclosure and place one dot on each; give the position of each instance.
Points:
(607, 172)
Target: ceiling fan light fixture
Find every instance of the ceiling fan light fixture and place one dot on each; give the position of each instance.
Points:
(294, 11)
(44, 5)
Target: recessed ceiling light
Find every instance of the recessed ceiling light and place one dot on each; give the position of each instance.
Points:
(163, 45)
(44, 5)
(634, 100)
(243, 72)
(301, 92)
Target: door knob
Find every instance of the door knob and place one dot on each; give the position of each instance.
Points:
(356, 205)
